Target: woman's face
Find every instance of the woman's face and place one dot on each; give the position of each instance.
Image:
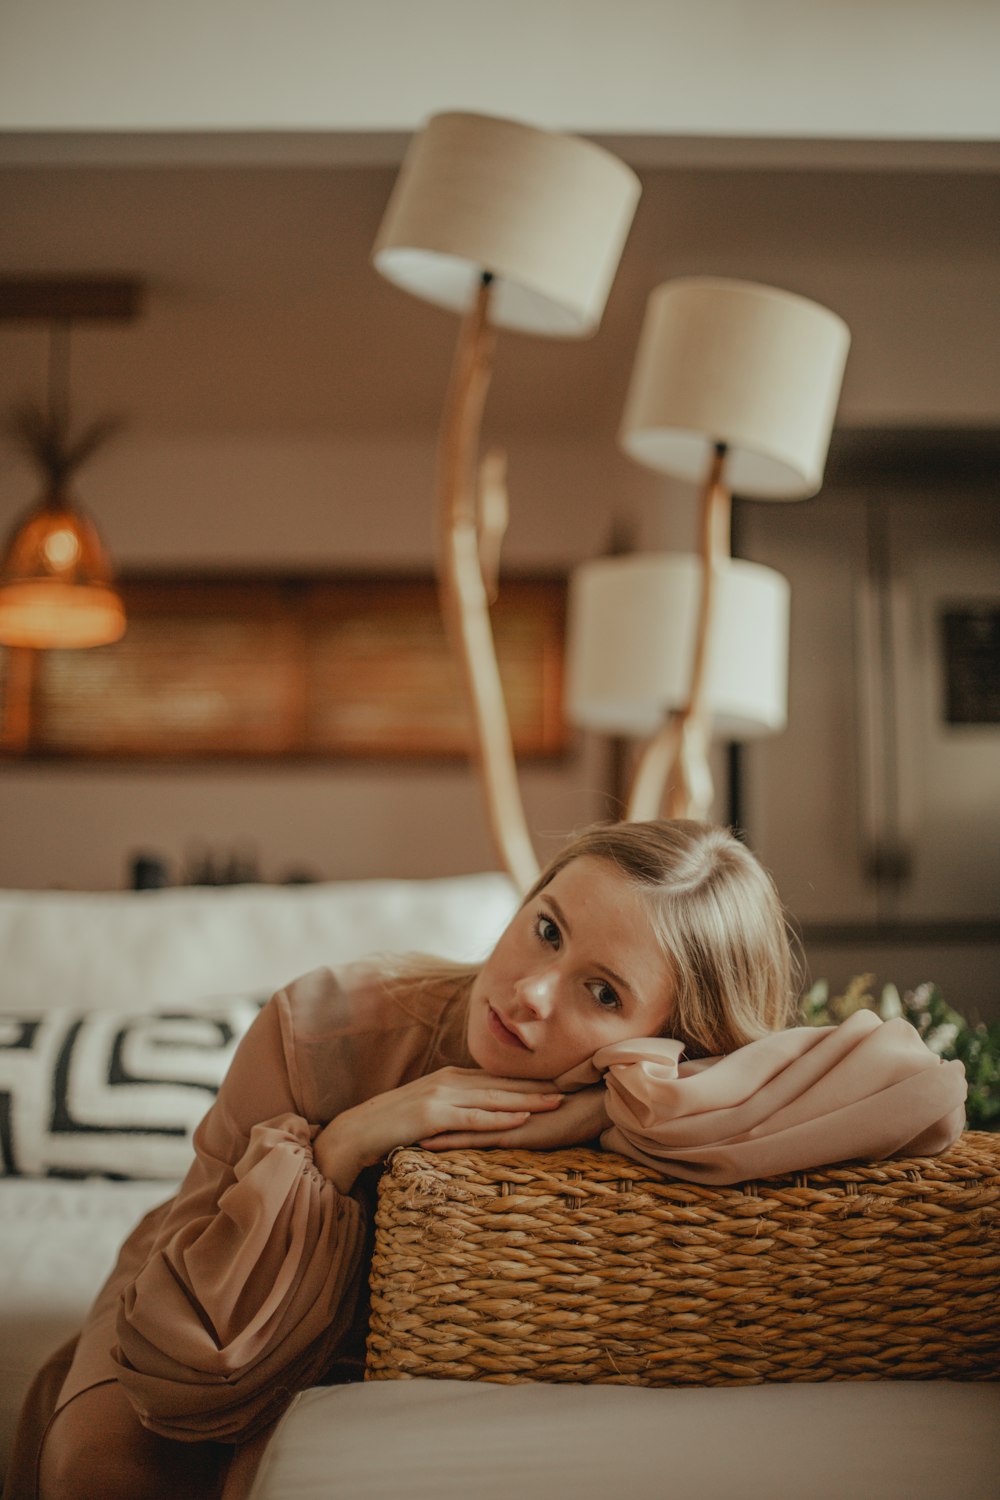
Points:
(578, 967)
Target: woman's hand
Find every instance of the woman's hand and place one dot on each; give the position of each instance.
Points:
(581, 1117)
(461, 1102)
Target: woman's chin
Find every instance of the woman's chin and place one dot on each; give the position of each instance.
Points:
(495, 1057)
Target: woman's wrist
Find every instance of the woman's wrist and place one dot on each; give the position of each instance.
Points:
(335, 1152)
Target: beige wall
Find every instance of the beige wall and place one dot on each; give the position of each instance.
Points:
(274, 504)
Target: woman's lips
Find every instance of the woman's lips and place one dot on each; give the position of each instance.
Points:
(503, 1033)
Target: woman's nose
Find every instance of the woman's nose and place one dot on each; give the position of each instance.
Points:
(537, 991)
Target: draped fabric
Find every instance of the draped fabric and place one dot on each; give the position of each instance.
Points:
(248, 1285)
(236, 1310)
(793, 1100)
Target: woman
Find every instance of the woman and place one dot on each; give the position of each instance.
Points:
(249, 1284)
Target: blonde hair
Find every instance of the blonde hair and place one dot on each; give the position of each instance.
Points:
(715, 912)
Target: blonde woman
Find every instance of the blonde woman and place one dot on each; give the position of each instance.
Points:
(249, 1284)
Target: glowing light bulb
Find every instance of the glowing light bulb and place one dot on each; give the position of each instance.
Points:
(61, 549)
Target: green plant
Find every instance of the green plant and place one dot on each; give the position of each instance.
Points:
(975, 1044)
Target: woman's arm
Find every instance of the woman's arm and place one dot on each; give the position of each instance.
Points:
(250, 1288)
(252, 1281)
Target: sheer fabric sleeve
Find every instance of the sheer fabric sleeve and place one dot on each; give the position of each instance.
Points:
(794, 1100)
(253, 1277)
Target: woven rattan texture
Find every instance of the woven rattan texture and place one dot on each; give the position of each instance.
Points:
(585, 1266)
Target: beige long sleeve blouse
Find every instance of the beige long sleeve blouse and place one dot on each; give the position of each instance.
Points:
(248, 1285)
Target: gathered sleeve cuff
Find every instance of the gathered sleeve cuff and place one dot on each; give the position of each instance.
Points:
(794, 1100)
(255, 1274)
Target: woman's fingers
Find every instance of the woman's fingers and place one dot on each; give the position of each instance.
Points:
(490, 1119)
(477, 1117)
(445, 1093)
(583, 1117)
(496, 1099)
(469, 1108)
(477, 1079)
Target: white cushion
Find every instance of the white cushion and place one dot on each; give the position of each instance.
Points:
(111, 1093)
(449, 1439)
(152, 949)
(58, 1241)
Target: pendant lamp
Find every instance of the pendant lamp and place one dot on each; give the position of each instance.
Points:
(57, 586)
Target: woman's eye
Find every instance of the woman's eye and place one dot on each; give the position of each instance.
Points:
(547, 930)
(606, 997)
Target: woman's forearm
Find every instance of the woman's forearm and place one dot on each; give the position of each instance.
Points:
(241, 1305)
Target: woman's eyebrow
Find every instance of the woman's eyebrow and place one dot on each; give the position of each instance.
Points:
(560, 914)
(617, 979)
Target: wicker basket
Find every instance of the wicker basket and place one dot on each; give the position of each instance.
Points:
(584, 1266)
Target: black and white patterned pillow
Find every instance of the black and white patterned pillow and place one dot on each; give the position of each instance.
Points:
(111, 1093)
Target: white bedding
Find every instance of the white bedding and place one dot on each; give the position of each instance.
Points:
(58, 1241)
(458, 1440)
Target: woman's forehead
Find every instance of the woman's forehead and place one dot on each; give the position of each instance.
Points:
(588, 876)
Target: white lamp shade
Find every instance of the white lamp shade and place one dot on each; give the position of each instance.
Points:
(732, 362)
(631, 634)
(546, 214)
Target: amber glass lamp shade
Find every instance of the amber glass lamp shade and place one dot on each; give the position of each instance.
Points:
(56, 587)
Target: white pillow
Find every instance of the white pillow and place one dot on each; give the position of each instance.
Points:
(101, 949)
(111, 1093)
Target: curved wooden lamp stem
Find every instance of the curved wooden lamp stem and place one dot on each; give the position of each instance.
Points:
(463, 592)
(673, 776)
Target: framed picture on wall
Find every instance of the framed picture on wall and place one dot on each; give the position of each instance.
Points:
(310, 666)
(970, 636)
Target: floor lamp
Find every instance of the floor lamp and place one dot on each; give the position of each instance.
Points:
(514, 228)
(631, 641)
(735, 387)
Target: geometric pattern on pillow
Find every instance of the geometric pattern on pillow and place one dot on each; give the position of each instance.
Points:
(111, 1093)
